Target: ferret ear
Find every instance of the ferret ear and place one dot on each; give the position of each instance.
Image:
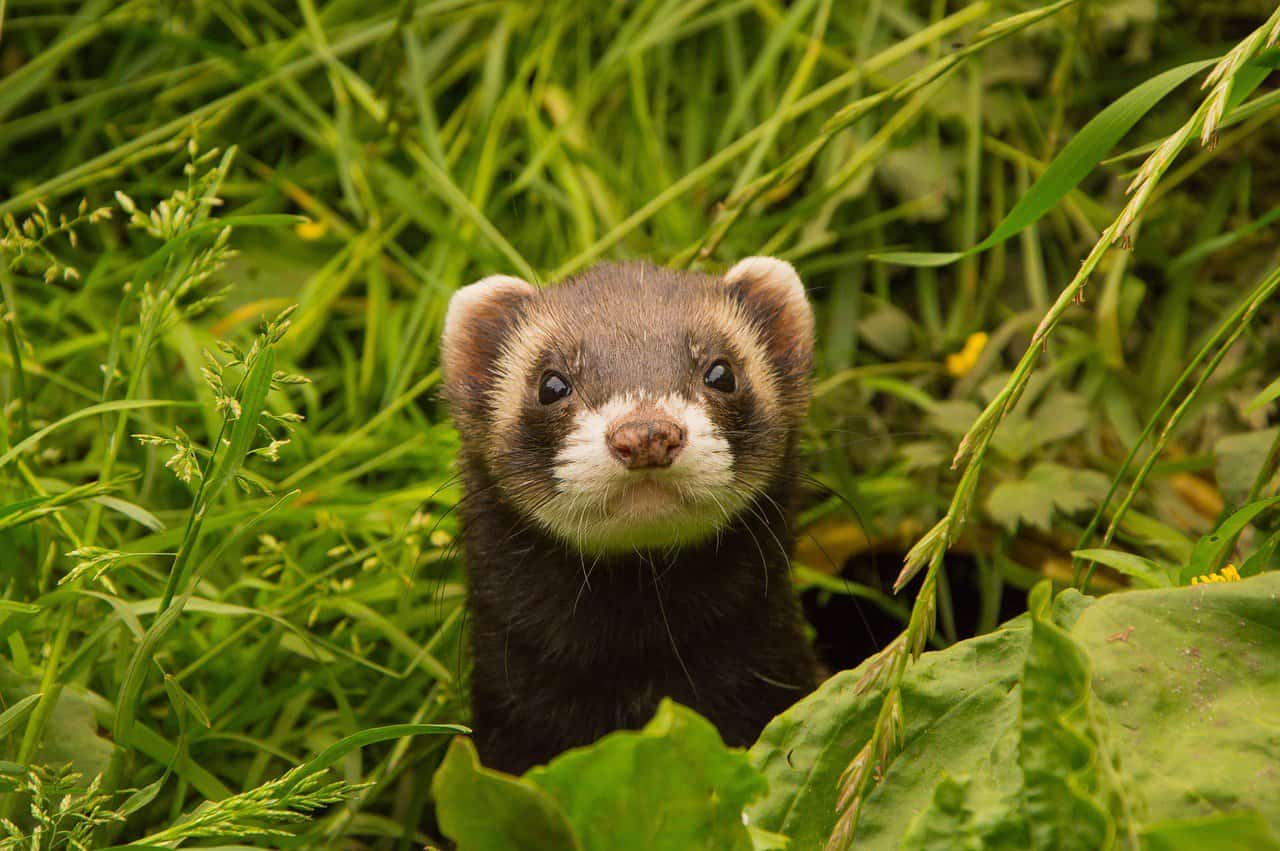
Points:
(773, 295)
(478, 319)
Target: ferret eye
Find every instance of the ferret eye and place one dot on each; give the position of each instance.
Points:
(719, 376)
(553, 388)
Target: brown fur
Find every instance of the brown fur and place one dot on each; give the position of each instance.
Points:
(568, 645)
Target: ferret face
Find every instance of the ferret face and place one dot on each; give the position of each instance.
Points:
(631, 407)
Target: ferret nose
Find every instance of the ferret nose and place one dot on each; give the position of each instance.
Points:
(643, 443)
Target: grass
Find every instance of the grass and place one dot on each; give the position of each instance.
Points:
(269, 572)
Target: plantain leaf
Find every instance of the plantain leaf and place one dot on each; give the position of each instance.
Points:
(1189, 679)
(960, 707)
(1218, 832)
(1058, 751)
(1066, 728)
(669, 787)
(485, 810)
(952, 823)
(71, 733)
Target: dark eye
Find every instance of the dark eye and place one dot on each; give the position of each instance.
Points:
(553, 388)
(719, 376)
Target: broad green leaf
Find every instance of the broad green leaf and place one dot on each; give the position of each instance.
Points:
(1062, 414)
(887, 330)
(1174, 722)
(1021, 502)
(1219, 832)
(1072, 165)
(71, 733)
(1047, 488)
(951, 822)
(485, 810)
(953, 416)
(669, 787)
(672, 785)
(960, 708)
(1189, 680)
(1063, 785)
(947, 823)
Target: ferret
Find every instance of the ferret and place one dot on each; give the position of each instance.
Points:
(628, 461)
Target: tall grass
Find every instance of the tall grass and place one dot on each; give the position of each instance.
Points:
(226, 539)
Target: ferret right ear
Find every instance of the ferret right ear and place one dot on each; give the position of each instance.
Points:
(771, 292)
(479, 317)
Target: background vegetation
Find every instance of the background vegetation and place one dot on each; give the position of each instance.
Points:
(229, 586)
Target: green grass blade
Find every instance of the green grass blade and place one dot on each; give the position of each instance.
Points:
(91, 411)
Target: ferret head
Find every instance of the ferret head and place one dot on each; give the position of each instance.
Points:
(631, 406)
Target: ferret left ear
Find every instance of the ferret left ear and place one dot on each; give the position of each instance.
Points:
(772, 293)
(479, 318)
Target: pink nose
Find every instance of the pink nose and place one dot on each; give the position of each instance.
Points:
(649, 442)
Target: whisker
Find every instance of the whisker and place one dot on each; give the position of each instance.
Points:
(662, 609)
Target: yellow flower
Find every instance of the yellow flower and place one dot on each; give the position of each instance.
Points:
(1227, 574)
(961, 362)
(310, 230)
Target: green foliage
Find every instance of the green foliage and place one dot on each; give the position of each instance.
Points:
(673, 785)
(227, 548)
(1221, 832)
(1059, 741)
(484, 809)
(1047, 489)
(1117, 723)
(1079, 157)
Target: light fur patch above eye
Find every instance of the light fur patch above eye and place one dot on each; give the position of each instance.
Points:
(731, 321)
(520, 354)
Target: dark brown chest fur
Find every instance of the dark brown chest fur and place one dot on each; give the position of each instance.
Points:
(568, 647)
